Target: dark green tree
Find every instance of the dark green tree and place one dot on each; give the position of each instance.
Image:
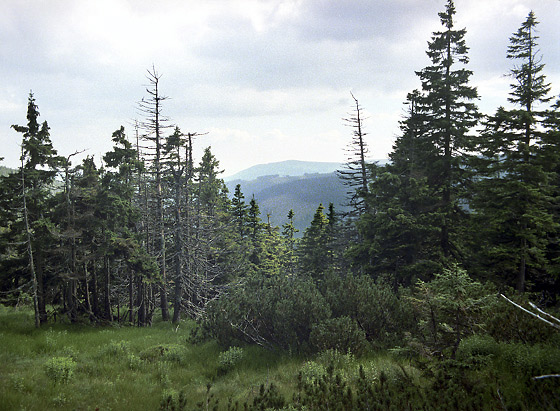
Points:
(313, 250)
(289, 231)
(513, 196)
(40, 164)
(447, 108)
(399, 239)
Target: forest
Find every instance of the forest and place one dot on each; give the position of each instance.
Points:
(445, 262)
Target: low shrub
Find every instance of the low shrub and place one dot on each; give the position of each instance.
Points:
(227, 360)
(342, 334)
(60, 369)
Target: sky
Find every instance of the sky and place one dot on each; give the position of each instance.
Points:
(263, 80)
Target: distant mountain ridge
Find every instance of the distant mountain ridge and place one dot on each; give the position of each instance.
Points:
(291, 185)
(297, 185)
(285, 168)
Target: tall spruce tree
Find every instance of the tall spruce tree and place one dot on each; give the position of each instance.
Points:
(449, 112)
(399, 240)
(513, 196)
(39, 166)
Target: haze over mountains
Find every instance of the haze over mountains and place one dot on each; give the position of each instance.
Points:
(297, 185)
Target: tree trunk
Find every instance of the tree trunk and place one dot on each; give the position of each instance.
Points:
(107, 290)
(41, 289)
(94, 290)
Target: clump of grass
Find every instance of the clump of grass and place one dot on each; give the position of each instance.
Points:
(60, 369)
(164, 352)
(114, 349)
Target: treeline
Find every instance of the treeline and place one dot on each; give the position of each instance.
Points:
(467, 199)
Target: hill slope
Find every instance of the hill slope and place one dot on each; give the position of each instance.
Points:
(277, 195)
(285, 168)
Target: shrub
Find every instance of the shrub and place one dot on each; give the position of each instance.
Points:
(509, 323)
(273, 311)
(173, 400)
(60, 369)
(375, 306)
(311, 371)
(114, 349)
(477, 346)
(230, 358)
(449, 308)
(342, 334)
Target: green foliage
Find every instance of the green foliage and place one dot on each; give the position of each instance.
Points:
(164, 352)
(509, 324)
(449, 308)
(173, 400)
(268, 398)
(342, 334)
(60, 369)
(380, 312)
(227, 360)
(271, 311)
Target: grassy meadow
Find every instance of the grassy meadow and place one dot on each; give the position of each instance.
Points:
(80, 367)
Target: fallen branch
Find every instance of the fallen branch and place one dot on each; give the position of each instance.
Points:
(540, 377)
(557, 326)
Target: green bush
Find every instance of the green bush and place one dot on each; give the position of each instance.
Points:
(375, 306)
(276, 311)
(114, 349)
(477, 346)
(342, 334)
(311, 371)
(230, 358)
(509, 323)
(60, 369)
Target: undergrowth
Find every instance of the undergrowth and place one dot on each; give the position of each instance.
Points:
(119, 367)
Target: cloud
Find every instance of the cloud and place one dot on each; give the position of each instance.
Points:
(243, 67)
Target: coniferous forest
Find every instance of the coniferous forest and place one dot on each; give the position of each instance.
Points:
(445, 263)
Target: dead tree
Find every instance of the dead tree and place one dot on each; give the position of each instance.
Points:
(153, 126)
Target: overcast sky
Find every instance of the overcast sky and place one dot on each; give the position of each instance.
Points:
(268, 80)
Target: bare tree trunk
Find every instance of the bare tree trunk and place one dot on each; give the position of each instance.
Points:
(107, 290)
(131, 296)
(94, 290)
(30, 248)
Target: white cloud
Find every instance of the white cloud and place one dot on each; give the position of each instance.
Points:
(266, 77)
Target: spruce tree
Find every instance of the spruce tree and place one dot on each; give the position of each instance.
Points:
(40, 164)
(399, 238)
(513, 195)
(446, 104)
(313, 248)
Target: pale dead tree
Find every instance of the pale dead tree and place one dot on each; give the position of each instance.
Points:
(542, 316)
(153, 127)
(29, 243)
(355, 174)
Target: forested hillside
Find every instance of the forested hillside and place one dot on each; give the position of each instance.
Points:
(278, 195)
(413, 265)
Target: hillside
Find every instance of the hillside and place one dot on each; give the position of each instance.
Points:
(276, 195)
(284, 168)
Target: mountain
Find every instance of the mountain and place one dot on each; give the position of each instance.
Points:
(276, 195)
(285, 168)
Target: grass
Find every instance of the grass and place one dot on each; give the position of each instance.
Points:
(81, 367)
(62, 366)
